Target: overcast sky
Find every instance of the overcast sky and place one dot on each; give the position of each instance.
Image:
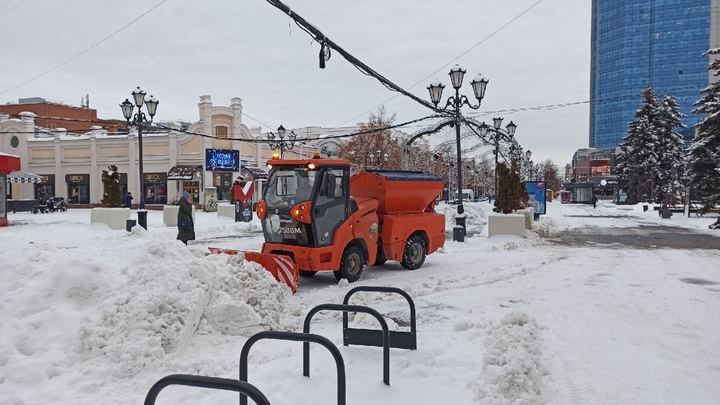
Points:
(249, 49)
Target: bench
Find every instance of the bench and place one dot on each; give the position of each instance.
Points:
(20, 205)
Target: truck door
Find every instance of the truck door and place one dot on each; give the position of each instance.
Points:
(330, 208)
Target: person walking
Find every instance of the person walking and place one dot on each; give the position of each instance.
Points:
(186, 227)
(127, 200)
(594, 200)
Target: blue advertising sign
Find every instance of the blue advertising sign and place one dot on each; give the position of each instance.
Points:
(536, 196)
(222, 160)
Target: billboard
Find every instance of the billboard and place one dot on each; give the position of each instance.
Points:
(536, 196)
(222, 160)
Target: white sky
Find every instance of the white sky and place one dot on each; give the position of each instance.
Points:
(91, 315)
(249, 49)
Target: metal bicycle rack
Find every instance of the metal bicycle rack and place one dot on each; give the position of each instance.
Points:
(385, 335)
(374, 337)
(244, 388)
(306, 338)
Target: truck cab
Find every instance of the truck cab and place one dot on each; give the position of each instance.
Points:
(304, 206)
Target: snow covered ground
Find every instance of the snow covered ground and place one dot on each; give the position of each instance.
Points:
(91, 315)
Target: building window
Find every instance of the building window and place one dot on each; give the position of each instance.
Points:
(14, 142)
(221, 131)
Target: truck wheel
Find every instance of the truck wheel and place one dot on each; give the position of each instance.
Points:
(307, 273)
(352, 264)
(414, 254)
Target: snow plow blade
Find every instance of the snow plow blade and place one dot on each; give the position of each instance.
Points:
(280, 266)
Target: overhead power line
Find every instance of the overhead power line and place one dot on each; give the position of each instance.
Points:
(492, 34)
(326, 44)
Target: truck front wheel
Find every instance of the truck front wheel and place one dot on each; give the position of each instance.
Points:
(414, 254)
(351, 266)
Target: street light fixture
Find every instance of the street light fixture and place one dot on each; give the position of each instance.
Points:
(453, 104)
(496, 136)
(138, 120)
(382, 158)
(278, 141)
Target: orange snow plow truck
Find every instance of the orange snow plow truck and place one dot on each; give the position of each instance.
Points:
(315, 217)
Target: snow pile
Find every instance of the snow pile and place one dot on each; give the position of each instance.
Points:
(246, 299)
(157, 309)
(512, 371)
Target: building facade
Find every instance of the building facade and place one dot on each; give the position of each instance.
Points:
(641, 42)
(174, 159)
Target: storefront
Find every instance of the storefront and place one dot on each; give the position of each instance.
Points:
(581, 192)
(223, 183)
(189, 179)
(46, 187)
(8, 163)
(155, 186)
(78, 188)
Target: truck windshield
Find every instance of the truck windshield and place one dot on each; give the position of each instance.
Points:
(289, 186)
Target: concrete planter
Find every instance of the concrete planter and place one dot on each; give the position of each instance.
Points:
(170, 213)
(506, 224)
(115, 218)
(226, 210)
(529, 217)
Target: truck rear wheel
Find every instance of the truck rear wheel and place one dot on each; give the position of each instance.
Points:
(414, 254)
(351, 266)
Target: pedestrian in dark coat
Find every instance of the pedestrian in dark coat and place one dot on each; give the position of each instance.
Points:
(127, 200)
(594, 201)
(186, 226)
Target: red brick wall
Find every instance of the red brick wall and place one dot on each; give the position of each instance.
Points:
(74, 119)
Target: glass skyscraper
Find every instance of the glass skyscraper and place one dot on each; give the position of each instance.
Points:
(639, 42)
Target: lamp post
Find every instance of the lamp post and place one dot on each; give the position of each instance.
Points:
(278, 141)
(496, 136)
(139, 119)
(528, 154)
(453, 104)
(381, 158)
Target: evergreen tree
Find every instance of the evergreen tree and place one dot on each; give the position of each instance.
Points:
(111, 182)
(511, 193)
(705, 149)
(638, 160)
(670, 152)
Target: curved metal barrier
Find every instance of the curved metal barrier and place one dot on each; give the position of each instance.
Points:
(244, 388)
(372, 337)
(298, 337)
(350, 308)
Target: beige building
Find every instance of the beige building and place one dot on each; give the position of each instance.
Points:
(174, 160)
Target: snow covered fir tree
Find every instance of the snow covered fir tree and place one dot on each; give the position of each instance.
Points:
(651, 156)
(705, 149)
(511, 189)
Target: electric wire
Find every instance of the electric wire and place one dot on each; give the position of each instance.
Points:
(451, 61)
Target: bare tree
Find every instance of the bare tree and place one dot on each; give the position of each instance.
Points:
(551, 176)
(362, 150)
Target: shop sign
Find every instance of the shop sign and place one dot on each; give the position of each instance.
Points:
(77, 178)
(155, 178)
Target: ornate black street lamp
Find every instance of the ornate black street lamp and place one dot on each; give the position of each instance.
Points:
(278, 141)
(496, 136)
(382, 158)
(453, 104)
(138, 120)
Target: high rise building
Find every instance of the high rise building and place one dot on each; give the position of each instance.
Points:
(640, 42)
